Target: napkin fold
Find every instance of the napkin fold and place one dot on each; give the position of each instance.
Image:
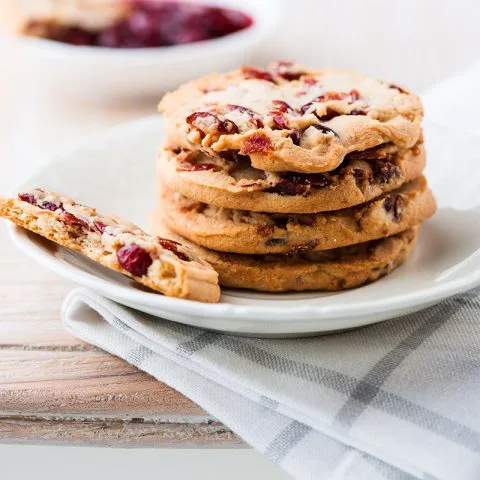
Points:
(396, 400)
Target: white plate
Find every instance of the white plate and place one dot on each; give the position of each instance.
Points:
(115, 173)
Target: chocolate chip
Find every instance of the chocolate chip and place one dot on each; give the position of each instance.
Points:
(233, 156)
(383, 172)
(326, 130)
(393, 204)
(271, 242)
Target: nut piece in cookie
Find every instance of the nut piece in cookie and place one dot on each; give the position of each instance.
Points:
(161, 264)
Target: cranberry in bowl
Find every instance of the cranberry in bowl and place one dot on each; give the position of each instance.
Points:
(125, 48)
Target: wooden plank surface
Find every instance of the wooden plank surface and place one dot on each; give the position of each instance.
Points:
(56, 389)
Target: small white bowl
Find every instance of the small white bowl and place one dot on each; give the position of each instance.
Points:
(108, 73)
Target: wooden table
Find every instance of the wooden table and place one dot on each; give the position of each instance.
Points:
(56, 389)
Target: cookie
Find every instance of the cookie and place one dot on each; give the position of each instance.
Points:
(330, 270)
(290, 118)
(362, 176)
(241, 231)
(158, 263)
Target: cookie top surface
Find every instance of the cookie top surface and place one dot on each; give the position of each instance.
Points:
(290, 118)
(159, 263)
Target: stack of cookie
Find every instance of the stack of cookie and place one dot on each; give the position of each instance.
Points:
(293, 179)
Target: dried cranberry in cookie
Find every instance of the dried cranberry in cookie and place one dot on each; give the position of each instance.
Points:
(288, 70)
(134, 259)
(161, 264)
(250, 73)
(41, 199)
(310, 119)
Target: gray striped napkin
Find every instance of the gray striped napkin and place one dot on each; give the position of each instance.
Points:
(397, 400)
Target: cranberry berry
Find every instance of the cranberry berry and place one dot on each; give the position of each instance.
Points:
(134, 259)
(27, 197)
(172, 246)
(210, 124)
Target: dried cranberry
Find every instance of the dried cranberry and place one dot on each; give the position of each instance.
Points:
(396, 87)
(352, 97)
(78, 36)
(225, 21)
(287, 70)
(279, 121)
(329, 114)
(295, 136)
(360, 175)
(358, 112)
(329, 96)
(257, 122)
(51, 206)
(288, 188)
(100, 227)
(307, 106)
(383, 172)
(281, 106)
(258, 142)
(27, 197)
(172, 246)
(187, 22)
(310, 81)
(154, 24)
(272, 242)
(74, 221)
(196, 167)
(228, 127)
(205, 121)
(134, 259)
(233, 156)
(293, 183)
(255, 73)
(278, 111)
(393, 204)
(320, 180)
(325, 129)
(209, 123)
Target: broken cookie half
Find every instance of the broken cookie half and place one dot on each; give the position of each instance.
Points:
(161, 264)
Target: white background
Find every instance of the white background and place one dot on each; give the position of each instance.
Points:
(411, 42)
